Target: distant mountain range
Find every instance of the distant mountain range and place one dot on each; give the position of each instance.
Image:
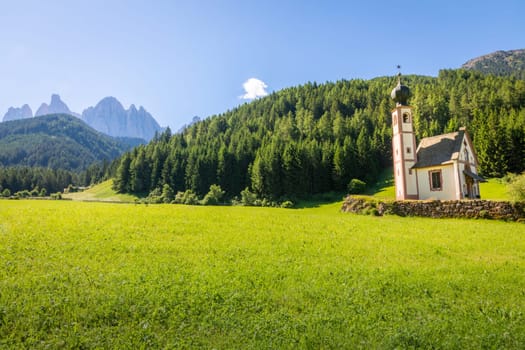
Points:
(58, 141)
(108, 116)
(501, 63)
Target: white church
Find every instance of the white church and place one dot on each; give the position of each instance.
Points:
(442, 167)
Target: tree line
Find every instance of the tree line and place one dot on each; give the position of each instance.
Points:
(316, 138)
(23, 178)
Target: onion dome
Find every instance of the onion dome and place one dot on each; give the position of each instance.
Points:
(400, 94)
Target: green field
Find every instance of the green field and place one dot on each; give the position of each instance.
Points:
(118, 276)
(101, 192)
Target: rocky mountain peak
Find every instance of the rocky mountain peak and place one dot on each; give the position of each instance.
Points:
(110, 117)
(14, 113)
(57, 106)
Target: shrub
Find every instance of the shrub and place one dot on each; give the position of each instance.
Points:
(56, 195)
(187, 197)
(23, 194)
(214, 196)
(43, 192)
(154, 197)
(516, 188)
(35, 192)
(6, 193)
(167, 194)
(248, 198)
(71, 189)
(287, 204)
(356, 186)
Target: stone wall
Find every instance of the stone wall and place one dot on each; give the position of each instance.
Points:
(439, 209)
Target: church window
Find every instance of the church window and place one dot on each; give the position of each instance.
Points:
(406, 118)
(436, 180)
(408, 150)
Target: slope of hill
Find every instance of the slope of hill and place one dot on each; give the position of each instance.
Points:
(101, 192)
(315, 138)
(501, 63)
(57, 141)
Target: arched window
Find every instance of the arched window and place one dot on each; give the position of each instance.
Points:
(406, 118)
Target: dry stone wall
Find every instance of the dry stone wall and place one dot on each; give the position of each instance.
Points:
(439, 209)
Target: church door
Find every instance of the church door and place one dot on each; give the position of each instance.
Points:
(470, 192)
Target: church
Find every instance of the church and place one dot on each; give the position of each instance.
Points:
(442, 167)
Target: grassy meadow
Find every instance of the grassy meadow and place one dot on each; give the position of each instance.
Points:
(105, 275)
(101, 192)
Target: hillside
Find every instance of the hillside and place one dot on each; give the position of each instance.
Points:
(57, 141)
(500, 63)
(315, 138)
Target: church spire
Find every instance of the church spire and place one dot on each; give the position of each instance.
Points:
(400, 93)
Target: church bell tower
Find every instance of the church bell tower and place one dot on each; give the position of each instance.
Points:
(403, 144)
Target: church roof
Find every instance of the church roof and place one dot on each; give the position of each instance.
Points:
(438, 150)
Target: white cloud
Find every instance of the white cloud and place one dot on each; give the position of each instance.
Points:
(254, 88)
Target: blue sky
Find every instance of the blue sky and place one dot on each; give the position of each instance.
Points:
(179, 59)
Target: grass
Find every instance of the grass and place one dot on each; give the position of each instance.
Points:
(494, 189)
(384, 188)
(102, 275)
(101, 192)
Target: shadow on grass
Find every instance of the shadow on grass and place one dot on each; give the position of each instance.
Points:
(320, 199)
(384, 187)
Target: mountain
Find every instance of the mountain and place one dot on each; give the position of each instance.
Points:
(110, 117)
(57, 106)
(14, 113)
(500, 63)
(57, 141)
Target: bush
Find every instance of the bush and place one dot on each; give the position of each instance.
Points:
(214, 196)
(167, 194)
(287, 204)
(56, 195)
(187, 197)
(248, 198)
(43, 192)
(23, 194)
(6, 193)
(356, 186)
(154, 197)
(516, 188)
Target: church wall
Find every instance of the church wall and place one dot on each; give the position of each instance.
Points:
(448, 185)
(467, 157)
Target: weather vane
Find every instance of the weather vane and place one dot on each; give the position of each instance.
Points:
(398, 73)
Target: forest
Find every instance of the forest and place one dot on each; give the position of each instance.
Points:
(24, 178)
(316, 138)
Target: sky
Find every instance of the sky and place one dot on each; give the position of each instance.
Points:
(181, 59)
